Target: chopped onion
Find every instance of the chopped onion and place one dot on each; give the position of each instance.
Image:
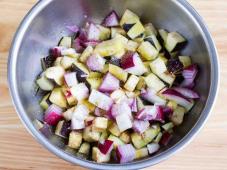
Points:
(73, 28)
(95, 62)
(166, 137)
(189, 75)
(187, 92)
(70, 79)
(151, 96)
(106, 147)
(171, 94)
(109, 84)
(121, 108)
(140, 126)
(53, 115)
(125, 153)
(111, 19)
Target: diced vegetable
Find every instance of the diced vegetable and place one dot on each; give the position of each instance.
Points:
(109, 47)
(116, 140)
(126, 153)
(121, 108)
(92, 31)
(168, 126)
(125, 137)
(104, 32)
(158, 66)
(158, 138)
(166, 137)
(132, 46)
(150, 30)
(173, 39)
(109, 83)
(94, 82)
(85, 148)
(140, 126)
(56, 73)
(86, 53)
(185, 60)
(100, 100)
(138, 68)
(136, 30)
(123, 122)
(171, 94)
(68, 113)
(80, 91)
(131, 83)
(67, 62)
(106, 147)
(95, 62)
(154, 41)
(147, 51)
(189, 75)
(53, 115)
(188, 93)
(99, 157)
(178, 115)
(114, 129)
(117, 30)
(62, 129)
(66, 42)
(90, 136)
(111, 19)
(141, 153)
(99, 124)
(57, 97)
(75, 140)
(164, 34)
(152, 148)
(152, 81)
(129, 18)
(44, 103)
(118, 72)
(70, 79)
(150, 95)
(45, 84)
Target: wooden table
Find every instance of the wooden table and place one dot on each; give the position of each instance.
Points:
(19, 151)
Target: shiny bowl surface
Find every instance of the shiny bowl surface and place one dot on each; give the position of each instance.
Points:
(45, 24)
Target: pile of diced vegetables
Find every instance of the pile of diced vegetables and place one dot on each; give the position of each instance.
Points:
(116, 90)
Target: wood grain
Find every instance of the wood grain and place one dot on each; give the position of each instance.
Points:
(19, 151)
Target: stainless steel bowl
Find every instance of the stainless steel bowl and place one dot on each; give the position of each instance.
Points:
(45, 24)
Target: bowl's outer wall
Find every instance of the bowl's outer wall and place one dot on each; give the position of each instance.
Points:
(48, 26)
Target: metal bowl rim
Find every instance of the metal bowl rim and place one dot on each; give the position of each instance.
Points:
(133, 165)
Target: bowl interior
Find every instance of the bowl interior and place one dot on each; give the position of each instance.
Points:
(48, 26)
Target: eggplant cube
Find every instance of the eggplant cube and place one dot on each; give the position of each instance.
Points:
(85, 148)
(67, 62)
(178, 115)
(114, 129)
(99, 124)
(141, 153)
(154, 82)
(173, 39)
(185, 60)
(56, 73)
(86, 53)
(90, 136)
(150, 30)
(167, 77)
(132, 46)
(123, 122)
(116, 141)
(136, 30)
(125, 137)
(99, 157)
(66, 42)
(158, 66)
(44, 102)
(109, 47)
(118, 72)
(57, 97)
(147, 51)
(75, 139)
(117, 30)
(68, 113)
(129, 18)
(45, 84)
(131, 83)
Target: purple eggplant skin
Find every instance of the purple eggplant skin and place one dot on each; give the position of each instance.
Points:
(46, 130)
(81, 76)
(175, 66)
(47, 62)
(114, 61)
(127, 27)
(65, 129)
